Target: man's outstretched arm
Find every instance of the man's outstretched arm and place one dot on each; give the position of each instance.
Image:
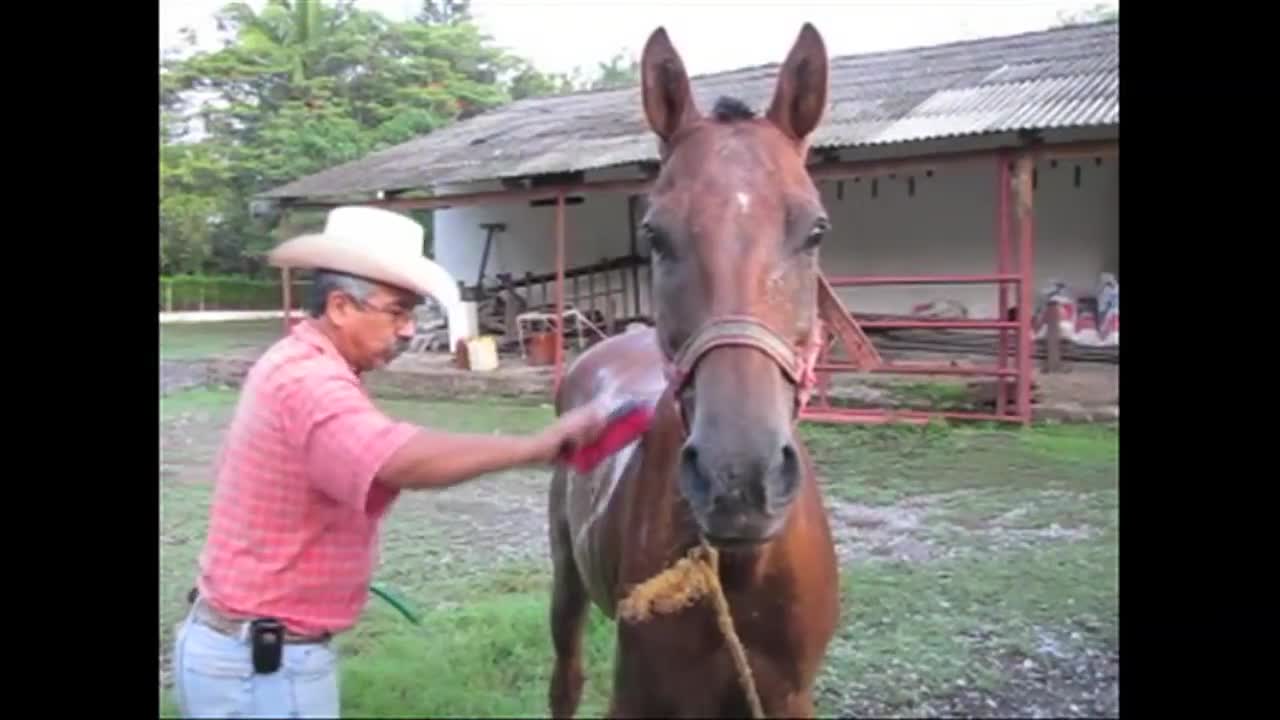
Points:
(434, 458)
(349, 444)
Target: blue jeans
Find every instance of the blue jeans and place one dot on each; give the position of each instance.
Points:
(213, 677)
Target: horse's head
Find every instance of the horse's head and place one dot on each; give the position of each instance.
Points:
(734, 224)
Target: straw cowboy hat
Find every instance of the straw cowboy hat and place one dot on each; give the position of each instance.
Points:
(372, 243)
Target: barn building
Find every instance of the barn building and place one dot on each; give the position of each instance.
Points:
(919, 161)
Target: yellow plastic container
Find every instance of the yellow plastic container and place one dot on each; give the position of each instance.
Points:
(482, 354)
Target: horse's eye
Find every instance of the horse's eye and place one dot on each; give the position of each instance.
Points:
(817, 233)
(658, 242)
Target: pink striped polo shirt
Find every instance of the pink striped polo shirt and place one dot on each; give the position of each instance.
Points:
(293, 529)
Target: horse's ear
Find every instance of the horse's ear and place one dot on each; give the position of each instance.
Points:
(800, 97)
(664, 87)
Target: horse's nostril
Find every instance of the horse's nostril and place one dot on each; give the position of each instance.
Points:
(789, 471)
(689, 454)
(789, 455)
(696, 484)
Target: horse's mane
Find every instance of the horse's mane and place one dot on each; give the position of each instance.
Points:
(730, 109)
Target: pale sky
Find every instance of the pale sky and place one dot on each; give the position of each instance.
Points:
(711, 35)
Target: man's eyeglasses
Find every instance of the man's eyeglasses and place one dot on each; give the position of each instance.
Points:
(399, 315)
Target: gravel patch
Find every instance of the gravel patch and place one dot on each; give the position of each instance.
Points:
(1063, 677)
(177, 375)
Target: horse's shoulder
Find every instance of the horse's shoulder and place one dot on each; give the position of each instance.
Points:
(628, 364)
(638, 343)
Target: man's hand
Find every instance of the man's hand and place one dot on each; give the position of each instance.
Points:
(576, 428)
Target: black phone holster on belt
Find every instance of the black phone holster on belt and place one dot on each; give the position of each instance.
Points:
(266, 637)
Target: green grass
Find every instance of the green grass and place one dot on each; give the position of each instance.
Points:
(910, 631)
(998, 505)
(489, 655)
(882, 465)
(184, 341)
(201, 402)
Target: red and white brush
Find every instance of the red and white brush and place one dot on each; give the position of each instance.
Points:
(627, 422)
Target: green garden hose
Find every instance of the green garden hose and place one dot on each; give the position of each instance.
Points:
(395, 603)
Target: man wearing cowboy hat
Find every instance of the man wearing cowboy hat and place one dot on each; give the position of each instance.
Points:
(310, 468)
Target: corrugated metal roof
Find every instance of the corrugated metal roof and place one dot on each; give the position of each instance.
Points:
(1067, 77)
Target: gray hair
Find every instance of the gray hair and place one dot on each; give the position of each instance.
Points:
(324, 282)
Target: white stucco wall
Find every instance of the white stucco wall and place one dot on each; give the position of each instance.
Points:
(595, 230)
(947, 226)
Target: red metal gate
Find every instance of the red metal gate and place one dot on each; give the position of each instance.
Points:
(1013, 359)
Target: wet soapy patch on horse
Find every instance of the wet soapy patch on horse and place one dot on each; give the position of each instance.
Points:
(608, 477)
(605, 484)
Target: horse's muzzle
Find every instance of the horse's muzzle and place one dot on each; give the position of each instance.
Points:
(739, 470)
(739, 497)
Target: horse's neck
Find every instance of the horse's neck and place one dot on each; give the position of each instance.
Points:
(657, 526)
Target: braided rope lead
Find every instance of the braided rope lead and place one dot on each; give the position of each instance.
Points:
(678, 587)
(725, 620)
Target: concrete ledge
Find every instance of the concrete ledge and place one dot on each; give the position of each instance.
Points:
(417, 384)
(534, 386)
(203, 316)
(1068, 412)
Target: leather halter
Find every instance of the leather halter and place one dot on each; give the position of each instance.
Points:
(796, 363)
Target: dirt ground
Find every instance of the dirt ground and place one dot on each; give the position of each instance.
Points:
(1059, 677)
(978, 567)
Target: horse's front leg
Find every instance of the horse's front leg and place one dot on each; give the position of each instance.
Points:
(568, 612)
(794, 705)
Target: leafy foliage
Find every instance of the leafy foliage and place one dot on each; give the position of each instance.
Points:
(303, 85)
(1098, 12)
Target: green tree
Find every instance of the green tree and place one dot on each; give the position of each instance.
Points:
(303, 85)
(528, 81)
(1096, 13)
(190, 202)
(621, 71)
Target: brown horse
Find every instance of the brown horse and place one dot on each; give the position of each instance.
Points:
(734, 225)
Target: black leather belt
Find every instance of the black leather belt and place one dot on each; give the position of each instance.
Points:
(237, 628)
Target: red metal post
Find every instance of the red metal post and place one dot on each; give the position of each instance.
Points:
(1026, 241)
(827, 413)
(1014, 198)
(559, 291)
(1002, 268)
(822, 377)
(286, 290)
